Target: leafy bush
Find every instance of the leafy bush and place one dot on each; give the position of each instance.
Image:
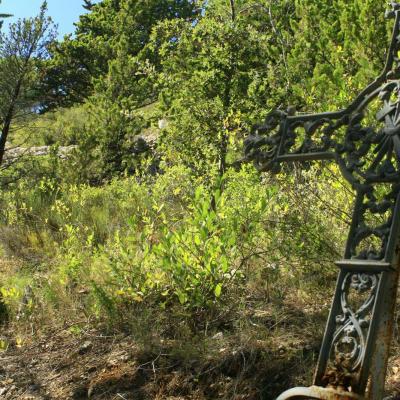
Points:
(171, 243)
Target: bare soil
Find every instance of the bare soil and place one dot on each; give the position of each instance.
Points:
(92, 365)
(63, 365)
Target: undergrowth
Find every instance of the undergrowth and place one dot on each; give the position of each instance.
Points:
(169, 243)
(183, 267)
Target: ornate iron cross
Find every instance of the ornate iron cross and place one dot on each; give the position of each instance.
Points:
(353, 358)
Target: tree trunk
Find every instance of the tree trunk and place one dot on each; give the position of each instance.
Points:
(7, 121)
(223, 145)
(233, 11)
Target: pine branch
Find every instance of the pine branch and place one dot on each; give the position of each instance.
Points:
(88, 5)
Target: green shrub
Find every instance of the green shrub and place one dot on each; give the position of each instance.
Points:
(170, 243)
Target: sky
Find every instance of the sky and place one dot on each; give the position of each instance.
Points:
(63, 12)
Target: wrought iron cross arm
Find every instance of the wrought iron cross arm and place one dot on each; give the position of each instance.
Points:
(284, 137)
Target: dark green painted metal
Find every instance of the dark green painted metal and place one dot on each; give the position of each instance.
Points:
(355, 348)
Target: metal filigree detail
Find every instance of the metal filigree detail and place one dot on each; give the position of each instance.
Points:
(358, 294)
(262, 146)
(368, 240)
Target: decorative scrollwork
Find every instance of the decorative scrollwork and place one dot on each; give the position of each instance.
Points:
(350, 337)
(262, 145)
(372, 221)
(349, 344)
(369, 156)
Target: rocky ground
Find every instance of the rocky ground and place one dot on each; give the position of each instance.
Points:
(15, 153)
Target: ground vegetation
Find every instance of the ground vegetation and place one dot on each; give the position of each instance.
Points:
(140, 257)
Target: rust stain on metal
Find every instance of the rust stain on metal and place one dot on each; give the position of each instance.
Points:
(339, 376)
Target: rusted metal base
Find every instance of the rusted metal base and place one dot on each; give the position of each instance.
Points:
(318, 393)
